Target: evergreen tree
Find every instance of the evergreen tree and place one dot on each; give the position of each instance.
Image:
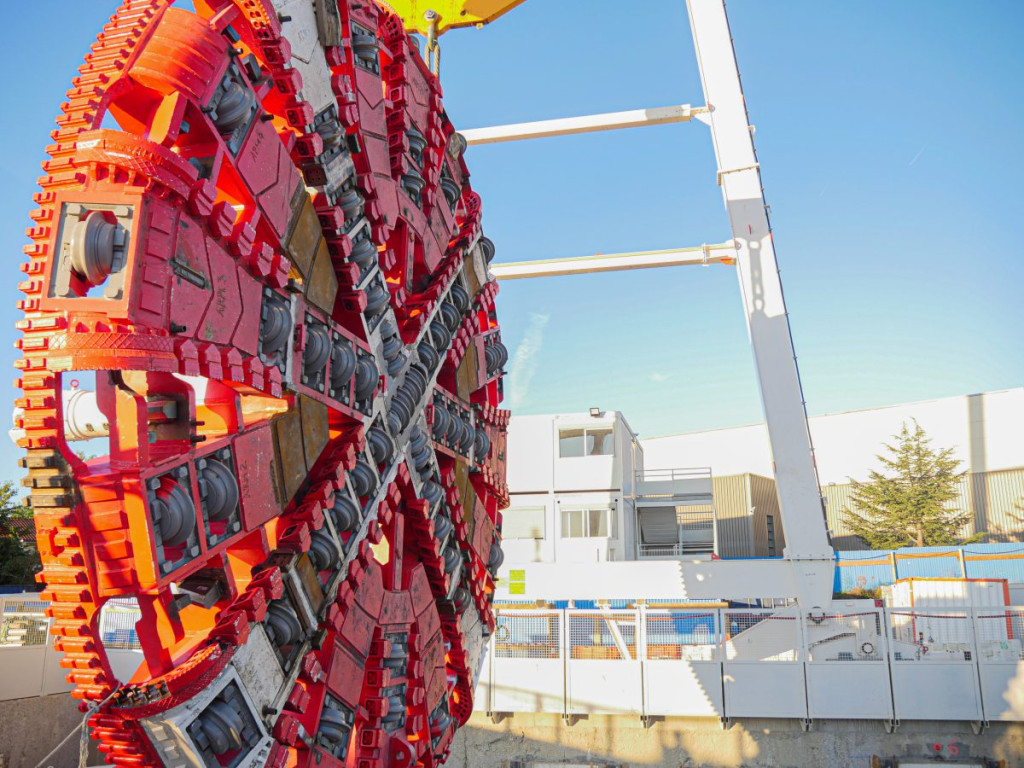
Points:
(907, 504)
(19, 562)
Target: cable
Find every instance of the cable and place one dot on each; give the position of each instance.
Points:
(83, 742)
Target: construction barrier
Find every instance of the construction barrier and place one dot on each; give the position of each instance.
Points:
(886, 664)
(846, 652)
(692, 688)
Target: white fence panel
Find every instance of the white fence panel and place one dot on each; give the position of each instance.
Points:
(603, 671)
(527, 663)
(24, 640)
(847, 668)
(682, 664)
(763, 670)
(1000, 644)
(934, 665)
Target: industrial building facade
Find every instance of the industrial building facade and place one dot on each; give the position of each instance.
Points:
(983, 430)
(583, 486)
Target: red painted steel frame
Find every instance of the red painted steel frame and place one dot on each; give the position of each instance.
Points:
(226, 224)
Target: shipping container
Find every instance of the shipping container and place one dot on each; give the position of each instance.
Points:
(947, 593)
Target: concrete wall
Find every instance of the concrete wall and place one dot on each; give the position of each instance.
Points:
(30, 728)
(983, 430)
(623, 741)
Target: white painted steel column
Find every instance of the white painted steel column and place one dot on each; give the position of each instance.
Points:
(768, 323)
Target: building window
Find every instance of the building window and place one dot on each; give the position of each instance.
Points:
(586, 523)
(591, 441)
(770, 519)
(523, 523)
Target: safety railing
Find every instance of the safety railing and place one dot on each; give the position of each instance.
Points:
(678, 473)
(654, 551)
(888, 664)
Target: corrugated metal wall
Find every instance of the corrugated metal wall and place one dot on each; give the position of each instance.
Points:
(732, 511)
(742, 506)
(998, 503)
(765, 501)
(996, 499)
(742, 503)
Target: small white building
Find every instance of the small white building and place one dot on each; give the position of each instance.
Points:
(579, 493)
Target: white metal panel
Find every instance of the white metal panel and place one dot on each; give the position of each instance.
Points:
(603, 672)
(527, 662)
(899, 593)
(682, 663)
(586, 473)
(527, 685)
(595, 687)
(922, 593)
(764, 689)
(530, 452)
(847, 669)
(939, 691)
(1000, 644)
(849, 690)
(22, 672)
(934, 667)
(653, 579)
(1002, 691)
(683, 688)
(763, 665)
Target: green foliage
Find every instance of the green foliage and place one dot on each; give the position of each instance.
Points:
(19, 562)
(908, 504)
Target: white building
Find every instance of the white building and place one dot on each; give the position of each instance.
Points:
(580, 494)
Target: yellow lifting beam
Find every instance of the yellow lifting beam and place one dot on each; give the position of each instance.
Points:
(437, 16)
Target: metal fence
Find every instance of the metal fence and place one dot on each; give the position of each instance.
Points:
(882, 663)
(527, 635)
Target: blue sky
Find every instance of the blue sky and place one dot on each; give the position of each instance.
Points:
(889, 140)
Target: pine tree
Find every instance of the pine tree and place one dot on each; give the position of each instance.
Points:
(19, 561)
(907, 504)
